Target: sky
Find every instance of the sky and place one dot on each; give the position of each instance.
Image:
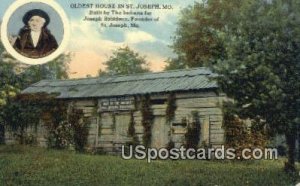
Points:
(91, 45)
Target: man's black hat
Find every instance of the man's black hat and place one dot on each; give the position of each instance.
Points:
(36, 12)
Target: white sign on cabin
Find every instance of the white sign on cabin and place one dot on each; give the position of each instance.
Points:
(115, 104)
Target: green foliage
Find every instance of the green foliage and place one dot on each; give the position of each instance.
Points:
(22, 165)
(20, 112)
(59, 137)
(131, 131)
(170, 114)
(170, 145)
(56, 69)
(254, 46)
(30, 139)
(175, 63)
(13, 114)
(192, 135)
(197, 40)
(147, 120)
(27, 109)
(65, 125)
(125, 61)
(79, 128)
(239, 135)
(15, 76)
(131, 128)
(171, 107)
(113, 121)
(262, 68)
(9, 82)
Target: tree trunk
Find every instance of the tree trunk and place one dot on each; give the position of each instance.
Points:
(291, 143)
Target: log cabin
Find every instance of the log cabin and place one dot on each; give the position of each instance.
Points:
(112, 104)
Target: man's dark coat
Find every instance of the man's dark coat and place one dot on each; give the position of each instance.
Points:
(45, 46)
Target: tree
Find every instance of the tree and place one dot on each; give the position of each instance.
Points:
(175, 63)
(8, 87)
(56, 69)
(196, 39)
(125, 61)
(254, 46)
(15, 76)
(262, 69)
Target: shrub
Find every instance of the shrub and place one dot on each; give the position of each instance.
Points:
(69, 130)
(241, 134)
(60, 136)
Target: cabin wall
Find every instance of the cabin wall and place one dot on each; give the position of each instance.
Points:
(113, 125)
(35, 135)
(209, 107)
(89, 108)
(109, 120)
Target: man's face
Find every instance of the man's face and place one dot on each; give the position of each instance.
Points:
(36, 23)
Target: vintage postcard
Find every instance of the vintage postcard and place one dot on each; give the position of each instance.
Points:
(157, 92)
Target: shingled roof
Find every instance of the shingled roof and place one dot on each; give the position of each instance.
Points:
(160, 82)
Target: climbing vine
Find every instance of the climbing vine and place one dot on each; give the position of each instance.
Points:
(114, 121)
(147, 119)
(171, 107)
(80, 128)
(170, 115)
(65, 125)
(193, 131)
(131, 130)
(26, 110)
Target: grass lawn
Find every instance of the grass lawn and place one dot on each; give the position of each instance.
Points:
(21, 165)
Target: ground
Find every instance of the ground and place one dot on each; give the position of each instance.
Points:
(20, 165)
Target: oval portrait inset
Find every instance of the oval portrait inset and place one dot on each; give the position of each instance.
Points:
(35, 32)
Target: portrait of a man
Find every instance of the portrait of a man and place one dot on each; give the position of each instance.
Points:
(34, 39)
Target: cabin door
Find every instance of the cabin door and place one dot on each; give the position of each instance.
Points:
(160, 132)
(121, 126)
